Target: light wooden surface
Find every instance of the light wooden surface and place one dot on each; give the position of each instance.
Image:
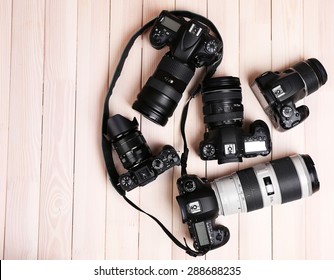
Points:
(56, 60)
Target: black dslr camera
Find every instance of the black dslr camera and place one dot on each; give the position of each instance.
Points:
(199, 209)
(276, 182)
(223, 116)
(135, 154)
(278, 92)
(191, 45)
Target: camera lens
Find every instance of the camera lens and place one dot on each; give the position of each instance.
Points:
(276, 182)
(162, 92)
(313, 74)
(128, 141)
(222, 102)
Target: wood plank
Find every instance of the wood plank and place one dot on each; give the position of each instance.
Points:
(194, 134)
(122, 219)
(255, 58)
(5, 57)
(319, 43)
(55, 227)
(227, 21)
(24, 149)
(287, 49)
(89, 217)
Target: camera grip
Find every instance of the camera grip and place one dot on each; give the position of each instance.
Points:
(304, 112)
(207, 236)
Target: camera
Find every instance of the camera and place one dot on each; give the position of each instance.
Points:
(136, 155)
(191, 46)
(223, 116)
(276, 182)
(278, 92)
(199, 209)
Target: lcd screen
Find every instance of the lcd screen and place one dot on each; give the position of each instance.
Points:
(202, 234)
(171, 24)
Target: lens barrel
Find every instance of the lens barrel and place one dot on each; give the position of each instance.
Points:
(313, 74)
(128, 141)
(222, 101)
(162, 92)
(276, 182)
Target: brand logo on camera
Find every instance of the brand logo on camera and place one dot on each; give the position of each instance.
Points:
(194, 207)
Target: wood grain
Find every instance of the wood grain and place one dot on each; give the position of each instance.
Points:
(5, 58)
(89, 202)
(25, 127)
(55, 225)
(318, 43)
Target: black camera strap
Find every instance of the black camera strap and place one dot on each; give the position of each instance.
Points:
(106, 143)
(184, 156)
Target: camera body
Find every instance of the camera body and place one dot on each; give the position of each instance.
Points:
(281, 94)
(278, 92)
(189, 41)
(225, 139)
(199, 209)
(230, 144)
(191, 45)
(148, 170)
(135, 154)
(276, 182)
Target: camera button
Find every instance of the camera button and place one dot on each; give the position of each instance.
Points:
(172, 157)
(219, 237)
(157, 164)
(211, 46)
(208, 150)
(189, 186)
(126, 181)
(287, 111)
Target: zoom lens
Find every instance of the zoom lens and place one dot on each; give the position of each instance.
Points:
(313, 74)
(128, 141)
(222, 102)
(276, 182)
(162, 92)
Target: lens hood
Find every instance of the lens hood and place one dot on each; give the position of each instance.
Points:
(312, 172)
(118, 126)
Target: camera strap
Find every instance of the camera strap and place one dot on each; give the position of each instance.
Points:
(184, 156)
(106, 143)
